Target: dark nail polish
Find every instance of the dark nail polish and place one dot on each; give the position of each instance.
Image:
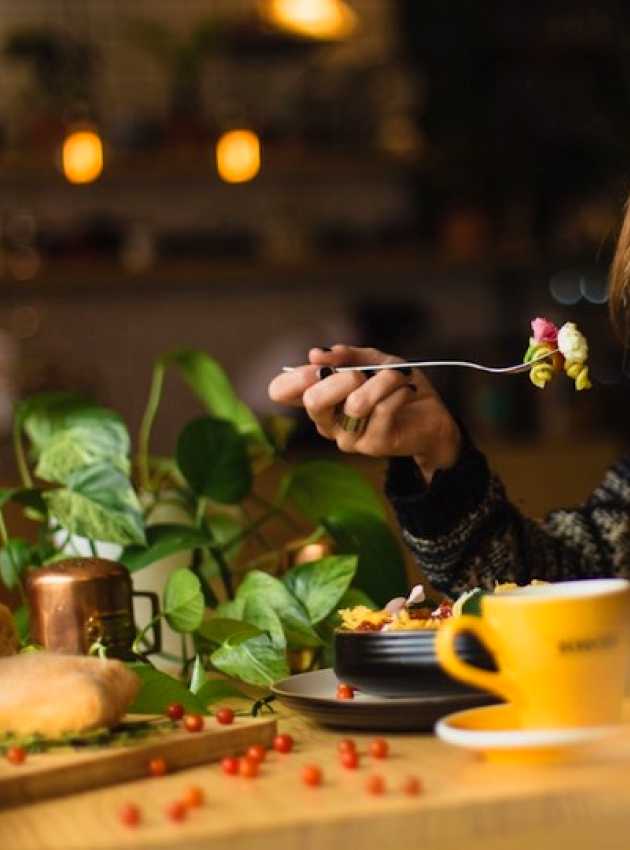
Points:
(405, 370)
(324, 372)
(412, 387)
(368, 373)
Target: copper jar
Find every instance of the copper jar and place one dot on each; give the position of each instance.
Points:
(80, 601)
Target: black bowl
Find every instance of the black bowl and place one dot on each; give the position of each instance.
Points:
(402, 664)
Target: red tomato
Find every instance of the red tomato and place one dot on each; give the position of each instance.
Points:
(375, 784)
(412, 786)
(345, 692)
(249, 767)
(129, 814)
(175, 810)
(175, 711)
(230, 765)
(225, 716)
(283, 743)
(312, 775)
(157, 767)
(379, 748)
(349, 759)
(345, 745)
(193, 722)
(256, 752)
(16, 755)
(192, 797)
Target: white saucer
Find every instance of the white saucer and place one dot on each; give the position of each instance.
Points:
(494, 732)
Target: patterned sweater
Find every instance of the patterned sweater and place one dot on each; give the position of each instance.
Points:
(465, 532)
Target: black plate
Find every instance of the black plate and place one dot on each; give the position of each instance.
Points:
(313, 695)
(402, 664)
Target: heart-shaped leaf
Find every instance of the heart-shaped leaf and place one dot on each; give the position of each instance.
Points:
(319, 585)
(159, 690)
(220, 629)
(256, 661)
(319, 488)
(258, 612)
(98, 502)
(212, 457)
(381, 571)
(183, 603)
(293, 616)
(162, 540)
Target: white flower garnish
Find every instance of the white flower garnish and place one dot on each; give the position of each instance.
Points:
(572, 343)
(416, 596)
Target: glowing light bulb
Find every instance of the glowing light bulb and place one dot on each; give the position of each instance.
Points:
(82, 157)
(319, 19)
(238, 156)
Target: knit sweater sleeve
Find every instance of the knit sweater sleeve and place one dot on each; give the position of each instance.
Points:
(465, 532)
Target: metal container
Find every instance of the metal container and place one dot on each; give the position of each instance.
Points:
(80, 601)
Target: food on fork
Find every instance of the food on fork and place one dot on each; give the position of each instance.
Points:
(562, 348)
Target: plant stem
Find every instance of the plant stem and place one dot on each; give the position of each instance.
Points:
(285, 515)
(135, 647)
(20, 457)
(93, 549)
(144, 434)
(4, 536)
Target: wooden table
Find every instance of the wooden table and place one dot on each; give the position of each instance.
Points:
(468, 803)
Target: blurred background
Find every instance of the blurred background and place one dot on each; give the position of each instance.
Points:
(253, 178)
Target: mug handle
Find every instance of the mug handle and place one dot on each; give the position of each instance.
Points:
(496, 683)
(156, 646)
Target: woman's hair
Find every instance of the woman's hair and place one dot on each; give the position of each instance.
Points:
(619, 285)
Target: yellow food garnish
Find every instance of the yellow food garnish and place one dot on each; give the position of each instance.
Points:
(579, 373)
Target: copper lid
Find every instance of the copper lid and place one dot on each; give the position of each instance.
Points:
(78, 569)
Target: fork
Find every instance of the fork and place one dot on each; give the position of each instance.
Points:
(518, 369)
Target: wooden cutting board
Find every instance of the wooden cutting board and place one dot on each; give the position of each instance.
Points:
(60, 772)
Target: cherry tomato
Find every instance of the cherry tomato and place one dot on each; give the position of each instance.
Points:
(256, 752)
(193, 722)
(157, 767)
(249, 767)
(412, 786)
(375, 784)
(225, 716)
(176, 810)
(283, 743)
(16, 755)
(346, 745)
(175, 711)
(230, 765)
(379, 748)
(193, 797)
(345, 692)
(129, 814)
(349, 759)
(312, 775)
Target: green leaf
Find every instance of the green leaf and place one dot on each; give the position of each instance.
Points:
(232, 609)
(183, 601)
(212, 387)
(217, 689)
(220, 629)
(98, 502)
(224, 528)
(162, 540)
(21, 619)
(258, 612)
(472, 603)
(15, 557)
(212, 456)
(294, 619)
(29, 498)
(381, 571)
(319, 488)
(319, 585)
(256, 661)
(73, 432)
(158, 690)
(199, 677)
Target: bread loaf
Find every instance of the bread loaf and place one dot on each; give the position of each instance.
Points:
(49, 694)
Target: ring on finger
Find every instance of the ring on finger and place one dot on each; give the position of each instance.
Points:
(352, 424)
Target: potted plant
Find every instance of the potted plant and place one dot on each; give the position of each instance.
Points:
(249, 616)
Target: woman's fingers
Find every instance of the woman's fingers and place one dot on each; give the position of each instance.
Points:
(289, 387)
(349, 355)
(322, 398)
(362, 401)
(382, 437)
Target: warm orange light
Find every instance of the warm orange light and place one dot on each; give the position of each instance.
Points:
(238, 156)
(82, 157)
(319, 19)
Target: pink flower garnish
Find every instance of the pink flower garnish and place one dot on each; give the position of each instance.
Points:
(544, 331)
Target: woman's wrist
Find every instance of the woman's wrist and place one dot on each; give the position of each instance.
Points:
(446, 445)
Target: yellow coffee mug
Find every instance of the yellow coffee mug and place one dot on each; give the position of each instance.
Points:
(561, 651)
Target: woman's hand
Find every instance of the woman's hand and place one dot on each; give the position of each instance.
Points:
(405, 415)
